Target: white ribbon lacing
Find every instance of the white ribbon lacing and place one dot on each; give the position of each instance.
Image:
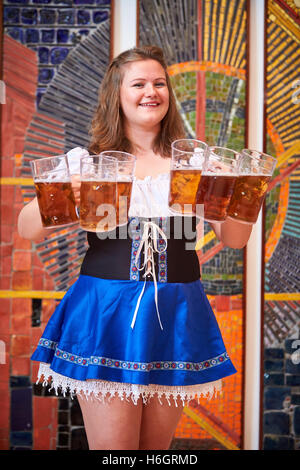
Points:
(149, 242)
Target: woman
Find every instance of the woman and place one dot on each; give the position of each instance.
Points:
(137, 350)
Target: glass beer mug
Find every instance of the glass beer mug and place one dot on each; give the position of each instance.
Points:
(125, 174)
(188, 156)
(219, 173)
(98, 193)
(255, 171)
(54, 192)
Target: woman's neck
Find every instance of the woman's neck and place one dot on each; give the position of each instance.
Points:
(142, 140)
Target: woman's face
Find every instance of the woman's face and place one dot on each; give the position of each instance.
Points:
(144, 94)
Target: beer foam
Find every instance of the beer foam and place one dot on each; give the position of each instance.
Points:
(251, 173)
(53, 179)
(94, 179)
(217, 173)
(197, 160)
(124, 179)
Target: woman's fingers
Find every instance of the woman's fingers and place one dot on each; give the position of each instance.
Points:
(75, 179)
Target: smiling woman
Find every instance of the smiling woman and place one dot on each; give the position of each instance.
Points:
(144, 95)
(110, 132)
(135, 336)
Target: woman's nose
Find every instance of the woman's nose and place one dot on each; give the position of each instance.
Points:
(150, 89)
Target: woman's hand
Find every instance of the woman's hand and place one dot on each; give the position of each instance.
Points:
(76, 188)
(232, 233)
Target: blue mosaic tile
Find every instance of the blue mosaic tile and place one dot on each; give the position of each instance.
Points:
(11, 15)
(273, 366)
(46, 75)
(29, 16)
(32, 35)
(99, 16)
(296, 421)
(48, 35)
(278, 442)
(273, 353)
(19, 381)
(41, 1)
(63, 2)
(58, 55)
(47, 16)
(292, 367)
(276, 422)
(83, 17)
(84, 2)
(293, 380)
(275, 396)
(66, 17)
(84, 32)
(23, 2)
(18, 439)
(62, 35)
(291, 345)
(21, 409)
(295, 400)
(43, 53)
(16, 33)
(274, 379)
(39, 94)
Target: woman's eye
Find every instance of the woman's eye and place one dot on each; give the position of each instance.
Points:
(138, 85)
(160, 84)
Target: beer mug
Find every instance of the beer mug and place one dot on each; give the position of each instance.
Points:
(98, 193)
(188, 156)
(125, 174)
(219, 173)
(54, 192)
(255, 171)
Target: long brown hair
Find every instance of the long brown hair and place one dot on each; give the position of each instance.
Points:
(107, 129)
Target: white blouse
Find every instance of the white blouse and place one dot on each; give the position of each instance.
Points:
(149, 196)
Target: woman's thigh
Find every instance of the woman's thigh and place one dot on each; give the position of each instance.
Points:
(112, 425)
(159, 422)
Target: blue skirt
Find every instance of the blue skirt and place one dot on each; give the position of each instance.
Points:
(89, 336)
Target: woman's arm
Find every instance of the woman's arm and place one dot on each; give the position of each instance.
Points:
(232, 233)
(30, 223)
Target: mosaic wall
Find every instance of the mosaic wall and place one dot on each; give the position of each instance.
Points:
(52, 28)
(281, 389)
(54, 56)
(49, 45)
(204, 44)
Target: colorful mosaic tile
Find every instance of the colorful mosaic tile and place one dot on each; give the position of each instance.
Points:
(282, 231)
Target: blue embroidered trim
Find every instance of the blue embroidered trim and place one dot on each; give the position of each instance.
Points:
(162, 257)
(135, 366)
(134, 272)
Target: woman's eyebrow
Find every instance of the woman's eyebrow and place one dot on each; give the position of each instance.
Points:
(158, 78)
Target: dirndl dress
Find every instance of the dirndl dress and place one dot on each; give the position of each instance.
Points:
(137, 322)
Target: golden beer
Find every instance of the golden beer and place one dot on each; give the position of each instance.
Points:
(97, 205)
(56, 203)
(183, 188)
(124, 189)
(214, 192)
(248, 196)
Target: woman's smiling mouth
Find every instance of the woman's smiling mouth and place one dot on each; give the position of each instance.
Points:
(154, 104)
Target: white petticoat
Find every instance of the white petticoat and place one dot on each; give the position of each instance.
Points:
(104, 390)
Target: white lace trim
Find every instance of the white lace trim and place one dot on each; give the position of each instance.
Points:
(104, 390)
